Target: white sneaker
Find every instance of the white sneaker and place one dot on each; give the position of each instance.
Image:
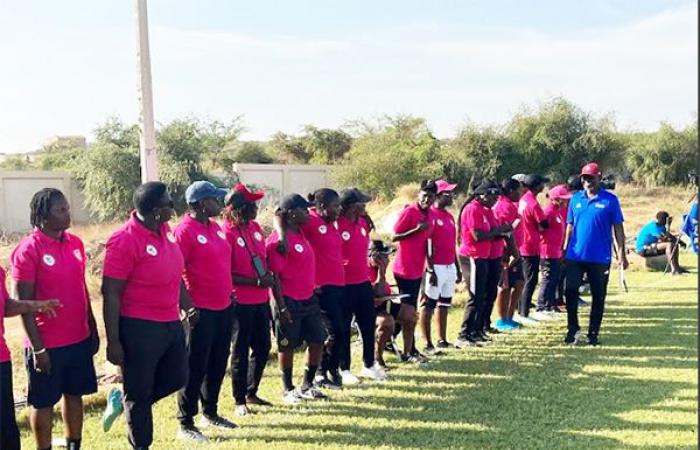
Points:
(541, 315)
(191, 434)
(529, 321)
(373, 373)
(292, 397)
(348, 378)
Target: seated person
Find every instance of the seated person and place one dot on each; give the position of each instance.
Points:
(378, 263)
(654, 239)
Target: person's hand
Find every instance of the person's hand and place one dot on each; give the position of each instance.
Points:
(115, 353)
(42, 362)
(505, 228)
(622, 259)
(282, 247)
(423, 226)
(267, 280)
(513, 261)
(95, 341)
(47, 307)
(432, 278)
(285, 316)
(459, 276)
(193, 317)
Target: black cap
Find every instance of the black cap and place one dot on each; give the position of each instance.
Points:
(293, 201)
(487, 187)
(378, 246)
(534, 179)
(353, 195)
(429, 186)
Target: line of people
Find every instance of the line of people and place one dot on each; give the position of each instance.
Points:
(179, 303)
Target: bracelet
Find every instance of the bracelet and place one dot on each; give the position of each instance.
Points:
(257, 282)
(283, 309)
(39, 352)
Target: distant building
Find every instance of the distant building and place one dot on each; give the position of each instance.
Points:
(65, 142)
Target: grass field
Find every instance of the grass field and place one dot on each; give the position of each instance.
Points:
(524, 390)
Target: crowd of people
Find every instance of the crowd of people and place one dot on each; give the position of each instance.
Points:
(179, 304)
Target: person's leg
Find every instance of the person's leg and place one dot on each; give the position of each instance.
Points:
(172, 370)
(407, 313)
(597, 278)
(79, 379)
(365, 316)
(286, 363)
(547, 280)
(337, 327)
(574, 278)
(471, 306)
(343, 338)
(442, 311)
(385, 329)
(218, 359)
(314, 335)
(72, 413)
(425, 316)
(241, 336)
(9, 431)
(553, 282)
(199, 342)
(40, 422)
(260, 349)
(503, 296)
(516, 282)
(493, 277)
(44, 391)
(531, 268)
(671, 252)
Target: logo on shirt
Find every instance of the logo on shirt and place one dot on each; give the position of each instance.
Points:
(240, 242)
(578, 205)
(346, 236)
(171, 237)
(201, 239)
(440, 222)
(323, 229)
(221, 234)
(49, 260)
(599, 205)
(299, 248)
(77, 255)
(258, 236)
(363, 231)
(151, 250)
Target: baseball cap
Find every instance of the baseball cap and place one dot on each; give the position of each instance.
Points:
(519, 177)
(199, 190)
(353, 195)
(559, 191)
(591, 169)
(487, 187)
(293, 201)
(240, 195)
(534, 179)
(444, 186)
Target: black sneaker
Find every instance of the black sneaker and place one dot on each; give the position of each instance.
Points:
(481, 336)
(467, 342)
(216, 422)
(572, 338)
(593, 340)
(444, 344)
(430, 350)
(492, 330)
(326, 383)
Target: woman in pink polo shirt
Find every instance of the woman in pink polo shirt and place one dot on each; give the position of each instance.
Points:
(50, 264)
(143, 296)
(297, 312)
(207, 276)
(252, 281)
(9, 432)
(411, 231)
(478, 230)
(552, 241)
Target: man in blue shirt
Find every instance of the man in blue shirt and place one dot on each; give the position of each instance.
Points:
(594, 214)
(654, 239)
(690, 225)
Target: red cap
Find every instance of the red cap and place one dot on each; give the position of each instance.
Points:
(247, 194)
(444, 186)
(591, 169)
(559, 191)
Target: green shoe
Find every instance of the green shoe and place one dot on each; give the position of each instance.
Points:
(114, 409)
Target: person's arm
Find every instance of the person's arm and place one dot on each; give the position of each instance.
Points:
(282, 311)
(512, 250)
(42, 362)
(567, 237)
(396, 237)
(111, 305)
(17, 307)
(278, 226)
(619, 231)
(407, 227)
(92, 325)
(190, 312)
(494, 233)
(459, 269)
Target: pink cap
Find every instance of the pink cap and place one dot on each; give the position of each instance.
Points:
(591, 169)
(444, 186)
(559, 191)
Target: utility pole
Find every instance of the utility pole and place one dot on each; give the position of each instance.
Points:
(149, 159)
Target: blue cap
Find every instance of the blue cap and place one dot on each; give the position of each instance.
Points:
(199, 190)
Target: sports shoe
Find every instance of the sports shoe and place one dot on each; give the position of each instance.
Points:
(255, 400)
(192, 434)
(582, 303)
(412, 359)
(513, 324)
(292, 397)
(312, 393)
(481, 336)
(542, 315)
(216, 422)
(373, 373)
(444, 344)
(593, 340)
(522, 320)
(323, 382)
(243, 410)
(348, 378)
(430, 350)
(503, 325)
(492, 330)
(467, 342)
(114, 409)
(572, 338)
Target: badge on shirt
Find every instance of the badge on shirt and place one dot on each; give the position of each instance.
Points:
(151, 250)
(578, 205)
(346, 236)
(258, 236)
(299, 248)
(171, 237)
(49, 260)
(600, 206)
(240, 242)
(221, 234)
(363, 231)
(323, 229)
(77, 255)
(201, 239)
(440, 222)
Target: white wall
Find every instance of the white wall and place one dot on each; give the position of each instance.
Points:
(285, 178)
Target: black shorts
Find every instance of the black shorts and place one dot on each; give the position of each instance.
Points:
(515, 274)
(306, 325)
(406, 286)
(72, 373)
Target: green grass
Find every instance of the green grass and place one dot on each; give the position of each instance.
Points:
(525, 390)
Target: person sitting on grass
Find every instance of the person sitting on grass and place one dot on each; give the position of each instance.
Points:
(655, 239)
(385, 323)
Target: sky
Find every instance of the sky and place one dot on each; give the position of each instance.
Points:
(69, 65)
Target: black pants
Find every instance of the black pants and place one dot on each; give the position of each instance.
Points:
(155, 366)
(494, 276)
(531, 269)
(598, 275)
(9, 432)
(477, 281)
(359, 301)
(208, 347)
(332, 303)
(551, 273)
(251, 348)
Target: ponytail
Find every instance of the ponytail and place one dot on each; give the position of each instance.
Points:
(467, 201)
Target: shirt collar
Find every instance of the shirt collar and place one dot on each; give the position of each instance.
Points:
(138, 228)
(188, 219)
(45, 239)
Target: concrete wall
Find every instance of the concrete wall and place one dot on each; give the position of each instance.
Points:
(285, 178)
(17, 189)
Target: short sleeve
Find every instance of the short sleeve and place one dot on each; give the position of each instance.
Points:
(406, 221)
(119, 257)
(184, 241)
(25, 261)
(474, 219)
(570, 213)
(538, 213)
(615, 211)
(275, 261)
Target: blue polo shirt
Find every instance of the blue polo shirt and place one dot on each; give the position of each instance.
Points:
(649, 234)
(592, 220)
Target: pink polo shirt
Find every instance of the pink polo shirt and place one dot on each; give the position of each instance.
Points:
(506, 211)
(553, 237)
(296, 269)
(4, 351)
(151, 265)
(444, 237)
(57, 269)
(207, 257)
(325, 240)
(412, 252)
(532, 214)
(250, 234)
(475, 217)
(498, 246)
(355, 238)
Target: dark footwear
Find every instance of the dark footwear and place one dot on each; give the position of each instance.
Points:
(593, 340)
(444, 344)
(571, 338)
(255, 400)
(216, 422)
(467, 342)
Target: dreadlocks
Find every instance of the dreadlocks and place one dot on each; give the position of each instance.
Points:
(40, 205)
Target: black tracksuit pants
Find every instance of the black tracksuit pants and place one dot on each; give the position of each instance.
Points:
(531, 269)
(251, 348)
(598, 275)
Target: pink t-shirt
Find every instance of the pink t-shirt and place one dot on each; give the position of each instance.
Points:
(207, 257)
(475, 217)
(355, 238)
(151, 265)
(532, 214)
(57, 269)
(498, 246)
(328, 249)
(4, 351)
(506, 211)
(412, 252)
(296, 270)
(250, 234)
(444, 237)
(553, 237)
